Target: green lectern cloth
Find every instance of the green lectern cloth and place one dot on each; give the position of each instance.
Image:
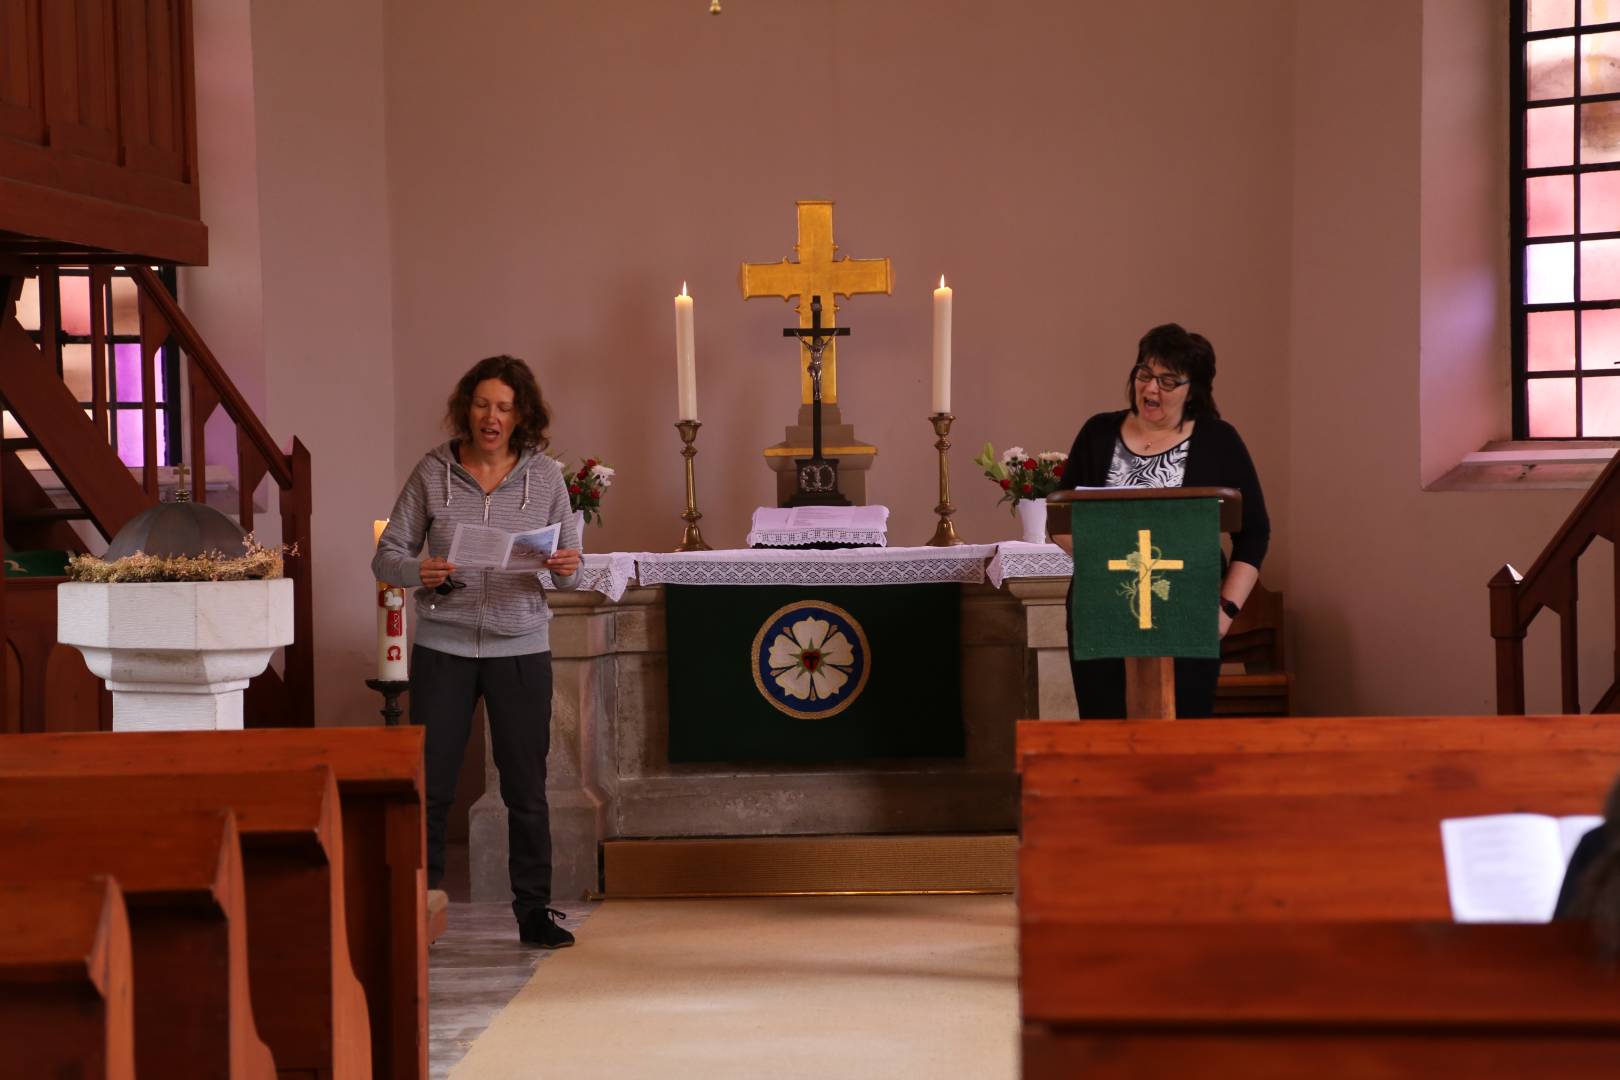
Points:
(1147, 577)
(797, 674)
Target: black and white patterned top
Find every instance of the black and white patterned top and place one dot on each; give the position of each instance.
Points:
(1131, 470)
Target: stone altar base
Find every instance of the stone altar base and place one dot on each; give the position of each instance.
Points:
(610, 777)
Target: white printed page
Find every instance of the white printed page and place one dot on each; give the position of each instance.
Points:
(531, 549)
(1572, 828)
(479, 545)
(1503, 868)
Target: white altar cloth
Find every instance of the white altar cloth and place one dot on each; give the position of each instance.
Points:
(611, 574)
(608, 574)
(853, 566)
(1016, 559)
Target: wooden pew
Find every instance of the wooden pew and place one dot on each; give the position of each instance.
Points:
(1317, 733)
(181, 874)
(1279, 914)
(308, 1006)
(381, 790)
(65, 1005)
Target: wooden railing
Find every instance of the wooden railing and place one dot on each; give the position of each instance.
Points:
(79, 444)
(1553, 583)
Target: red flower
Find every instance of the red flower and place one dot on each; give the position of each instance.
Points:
(573, 489)
(590, 463)
(1006, 485)
(1028, 489)
(1057, 469)
(1030, 464)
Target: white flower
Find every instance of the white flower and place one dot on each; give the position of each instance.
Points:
(811, 661)
(1012, 454)
(602, 475)
(1053, 455)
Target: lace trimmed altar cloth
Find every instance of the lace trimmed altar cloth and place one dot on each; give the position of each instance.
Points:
(611, 574)
(855, 566)
(1016, 559)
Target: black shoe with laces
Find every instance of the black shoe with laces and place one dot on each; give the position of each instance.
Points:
(542, 928)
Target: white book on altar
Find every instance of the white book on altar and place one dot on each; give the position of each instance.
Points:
(789, 526)
(497, 549)
(1509, 868)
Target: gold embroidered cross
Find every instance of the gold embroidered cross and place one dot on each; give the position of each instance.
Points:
(1142, 562)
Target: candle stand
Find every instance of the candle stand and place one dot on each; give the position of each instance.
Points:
(390, 689)
(692, 538)
(945, 532)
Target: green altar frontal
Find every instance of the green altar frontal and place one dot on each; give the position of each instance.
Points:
(803, 674)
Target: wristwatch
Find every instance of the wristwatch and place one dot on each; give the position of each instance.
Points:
(1230, 608)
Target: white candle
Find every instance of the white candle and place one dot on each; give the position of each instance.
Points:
(685, 357)
(391, 655)
(942, 347)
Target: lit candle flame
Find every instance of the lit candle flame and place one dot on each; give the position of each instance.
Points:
(942, 281)
(683, 288)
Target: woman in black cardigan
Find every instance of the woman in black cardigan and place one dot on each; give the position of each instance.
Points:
(1171, 436)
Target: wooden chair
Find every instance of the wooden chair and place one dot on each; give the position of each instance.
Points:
(181, 874)
(65, 971)
(380, 788)
(308, 1006)
(1264, 687)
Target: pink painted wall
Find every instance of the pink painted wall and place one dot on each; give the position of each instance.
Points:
(1080, 172)
(538, 178)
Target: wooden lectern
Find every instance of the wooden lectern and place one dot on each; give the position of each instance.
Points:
(1150, 681)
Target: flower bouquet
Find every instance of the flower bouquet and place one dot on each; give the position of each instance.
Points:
(585, 489)
(1021, 476)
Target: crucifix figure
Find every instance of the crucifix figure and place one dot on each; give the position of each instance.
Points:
(817, 273)
(1142, 563)
(817, 475)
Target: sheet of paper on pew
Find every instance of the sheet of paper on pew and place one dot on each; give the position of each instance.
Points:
(802, 526)
(1508, 868)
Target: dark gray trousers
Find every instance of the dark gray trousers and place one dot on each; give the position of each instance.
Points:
(517, 699)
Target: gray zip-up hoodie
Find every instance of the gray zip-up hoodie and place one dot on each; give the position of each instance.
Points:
(499, 613)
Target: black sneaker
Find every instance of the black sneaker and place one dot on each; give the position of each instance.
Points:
(543, 929)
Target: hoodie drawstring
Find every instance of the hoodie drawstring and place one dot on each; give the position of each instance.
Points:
(525, 505)
(446, 483)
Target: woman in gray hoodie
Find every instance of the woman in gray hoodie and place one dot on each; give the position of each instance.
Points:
(484, 633)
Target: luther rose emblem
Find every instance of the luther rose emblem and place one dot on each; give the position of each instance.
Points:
(811, 659)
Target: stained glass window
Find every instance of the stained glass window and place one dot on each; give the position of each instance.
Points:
(75, 358)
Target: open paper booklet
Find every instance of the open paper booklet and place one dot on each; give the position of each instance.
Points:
(1509, 867)
(482, 546)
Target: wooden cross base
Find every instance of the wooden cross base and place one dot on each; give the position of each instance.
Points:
(1150, 688)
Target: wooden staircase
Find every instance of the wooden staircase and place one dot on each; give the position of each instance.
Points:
(1553, 584)
(47, 688)
(98, 171)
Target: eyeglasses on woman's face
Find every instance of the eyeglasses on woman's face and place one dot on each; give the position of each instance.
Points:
(1167, 382)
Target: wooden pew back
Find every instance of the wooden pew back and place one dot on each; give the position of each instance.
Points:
(308, 1005)
(379, 773)
(1271, 836)
(65, 1001)
(1317, 733)
(181, 873)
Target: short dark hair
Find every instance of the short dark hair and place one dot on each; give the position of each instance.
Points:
(532, 416)
(1186, 354)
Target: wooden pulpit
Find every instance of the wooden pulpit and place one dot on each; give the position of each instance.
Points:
(1157, 596)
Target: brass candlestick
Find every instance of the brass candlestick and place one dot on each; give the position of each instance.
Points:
(945, 533)
(692, 538)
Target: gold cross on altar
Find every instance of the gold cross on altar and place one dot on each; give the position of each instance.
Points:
(817, 273)
(1142, 562)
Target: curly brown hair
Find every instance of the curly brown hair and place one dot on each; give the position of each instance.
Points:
(532, 415)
